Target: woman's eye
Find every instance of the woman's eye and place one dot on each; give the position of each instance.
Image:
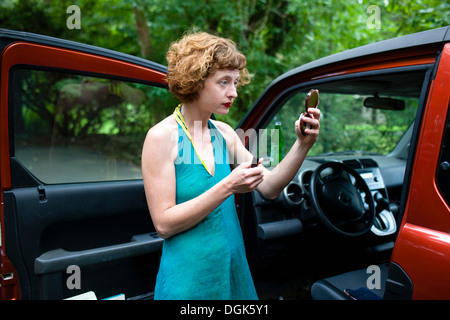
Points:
(226, 82)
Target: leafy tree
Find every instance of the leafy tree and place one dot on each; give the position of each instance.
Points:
(276, 36)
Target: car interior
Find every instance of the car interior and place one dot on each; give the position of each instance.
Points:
(341, 212)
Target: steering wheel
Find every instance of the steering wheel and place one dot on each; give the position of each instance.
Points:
(338, 202)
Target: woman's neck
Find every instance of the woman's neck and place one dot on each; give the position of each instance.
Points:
(193, 116)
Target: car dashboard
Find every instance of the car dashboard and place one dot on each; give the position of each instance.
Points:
(291, 215)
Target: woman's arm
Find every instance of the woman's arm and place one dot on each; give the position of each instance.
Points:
(158, 172)
(275, 180)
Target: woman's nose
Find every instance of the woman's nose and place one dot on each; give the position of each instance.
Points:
(232, 92)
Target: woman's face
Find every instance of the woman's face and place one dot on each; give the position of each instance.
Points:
(219, 91)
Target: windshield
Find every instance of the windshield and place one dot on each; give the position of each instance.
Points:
(350, 124)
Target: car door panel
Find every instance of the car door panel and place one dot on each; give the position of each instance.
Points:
(77, 225)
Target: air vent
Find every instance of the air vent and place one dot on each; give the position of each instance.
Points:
(361, 163)
(354, 164)
(368, 163)
(293, 194)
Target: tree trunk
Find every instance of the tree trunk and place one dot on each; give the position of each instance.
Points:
(143, 34)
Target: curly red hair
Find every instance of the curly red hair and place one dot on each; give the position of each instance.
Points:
(196, 56)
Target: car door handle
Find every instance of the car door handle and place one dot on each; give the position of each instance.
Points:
(59, 259)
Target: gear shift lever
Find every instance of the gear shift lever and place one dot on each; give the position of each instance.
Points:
(382, 203)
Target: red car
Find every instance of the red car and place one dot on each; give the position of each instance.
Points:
(367, 216)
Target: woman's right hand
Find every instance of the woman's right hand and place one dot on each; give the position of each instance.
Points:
(244, 178)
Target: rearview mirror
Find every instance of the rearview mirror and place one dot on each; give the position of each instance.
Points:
(384, 103)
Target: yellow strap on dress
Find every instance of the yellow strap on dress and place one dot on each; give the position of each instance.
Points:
(179, 118)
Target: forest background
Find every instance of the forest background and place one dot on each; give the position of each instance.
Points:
(275, 35)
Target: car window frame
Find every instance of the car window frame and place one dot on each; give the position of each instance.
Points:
(428, 69)
(65, 55)
(21, 176)
(288, 93)
(443, 167)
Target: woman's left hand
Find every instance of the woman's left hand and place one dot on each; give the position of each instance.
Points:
(313, 131)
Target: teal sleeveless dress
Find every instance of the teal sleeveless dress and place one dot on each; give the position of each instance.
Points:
(208, 261)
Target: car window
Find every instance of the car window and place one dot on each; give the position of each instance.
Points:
(347, 125)
(443, 174)
(79, 128)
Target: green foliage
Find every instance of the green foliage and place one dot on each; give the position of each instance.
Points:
(276, 36)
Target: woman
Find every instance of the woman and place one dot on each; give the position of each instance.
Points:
(188, 183)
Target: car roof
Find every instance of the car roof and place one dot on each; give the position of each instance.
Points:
(13, 35)
(429, 37)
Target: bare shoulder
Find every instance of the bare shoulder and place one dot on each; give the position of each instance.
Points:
(162, 132)
(161, 138)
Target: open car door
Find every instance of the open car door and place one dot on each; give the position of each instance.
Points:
(74, 218)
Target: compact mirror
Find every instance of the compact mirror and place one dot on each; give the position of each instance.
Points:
(311, 101)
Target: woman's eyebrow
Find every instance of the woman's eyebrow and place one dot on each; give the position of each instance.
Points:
(228, 77)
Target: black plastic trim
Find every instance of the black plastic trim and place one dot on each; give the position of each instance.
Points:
(398, 285)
